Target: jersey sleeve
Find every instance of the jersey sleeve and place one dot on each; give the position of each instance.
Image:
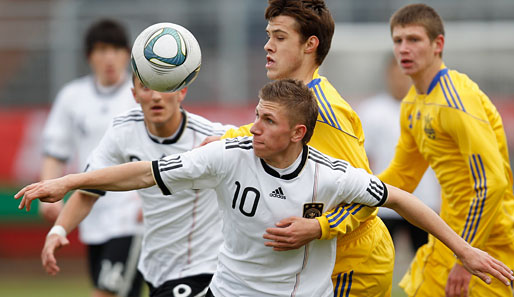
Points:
(241, 131)
(478, 145)
(344, 219)
(408, 165)
(57, 134)
(200, 168)
(358, 193)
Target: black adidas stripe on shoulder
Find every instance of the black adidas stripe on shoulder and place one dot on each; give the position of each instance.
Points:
(132, 116)
(318, 157)
(203, 128)
(170, 164)
(244, 143)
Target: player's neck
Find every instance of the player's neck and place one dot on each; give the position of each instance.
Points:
(423, 79)
(285, 158)
(166, 129)
(306, 75)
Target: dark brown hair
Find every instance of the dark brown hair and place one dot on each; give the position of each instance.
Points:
(106, 31)
(313, 19)
(299, 102)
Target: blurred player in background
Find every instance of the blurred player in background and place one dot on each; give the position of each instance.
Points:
(300, 34)
(380, 122)
(275, 160)
(182, 232)
(79, 117)
(449, 124)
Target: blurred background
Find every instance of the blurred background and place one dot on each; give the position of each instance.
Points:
(41, 48)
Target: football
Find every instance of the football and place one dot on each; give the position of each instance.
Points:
(166, 57)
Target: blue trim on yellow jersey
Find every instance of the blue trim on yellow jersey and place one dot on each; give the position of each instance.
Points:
(436, 78)
(326, 111)
(448, 88)
(478, 173)
(339, 214)
(484, 193)
(343, 287)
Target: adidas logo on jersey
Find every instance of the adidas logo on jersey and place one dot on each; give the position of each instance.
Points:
(277, 193)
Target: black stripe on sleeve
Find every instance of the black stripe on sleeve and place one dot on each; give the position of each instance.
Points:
(158, 179)
(384, 195)
(94, 192)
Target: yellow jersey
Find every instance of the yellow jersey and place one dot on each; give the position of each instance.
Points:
(456, 130)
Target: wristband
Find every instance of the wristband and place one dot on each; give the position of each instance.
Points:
(57, 229)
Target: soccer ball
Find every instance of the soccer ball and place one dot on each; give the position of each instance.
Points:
(166, 57)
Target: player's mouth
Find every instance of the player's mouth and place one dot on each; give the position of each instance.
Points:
(406, 63)
(269, 62)
(157, 108)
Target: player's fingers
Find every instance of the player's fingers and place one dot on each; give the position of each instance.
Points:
(277, 231)
(278, 246)
(285, 222)
(500, 273)
(464, 289)
(20, 193)
(503, 269)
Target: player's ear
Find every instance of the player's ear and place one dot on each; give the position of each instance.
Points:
(298, 133)
(311, 45)
(133, 90)
(182, 94)
(439, 45)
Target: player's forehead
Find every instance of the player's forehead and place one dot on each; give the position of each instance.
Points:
(409, 30)
(269, 108)
(282, 24)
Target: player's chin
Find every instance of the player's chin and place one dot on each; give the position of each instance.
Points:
(259, 150)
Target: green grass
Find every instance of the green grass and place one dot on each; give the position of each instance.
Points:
(61, 286)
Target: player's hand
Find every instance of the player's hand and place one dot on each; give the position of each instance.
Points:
(292, 233)
(479, 263)
(458, 282)
(51, 190)
(210, 139)
(52, 244)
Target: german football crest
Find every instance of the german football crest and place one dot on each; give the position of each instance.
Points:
(312, 210)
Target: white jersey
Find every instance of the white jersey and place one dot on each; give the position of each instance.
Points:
(252, 197)
(79, 118)
(182, 232)
(380, 117)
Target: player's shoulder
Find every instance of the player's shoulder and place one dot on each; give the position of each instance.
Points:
(128, 118)
(204, 126)
(461, 93)
(326, 161)
(78, 85)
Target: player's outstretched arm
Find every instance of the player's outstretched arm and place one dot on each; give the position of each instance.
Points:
(75, 211)
(125, 177)
(474, 260)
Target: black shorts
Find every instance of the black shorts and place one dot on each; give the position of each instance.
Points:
(113, 266)
(191, 286)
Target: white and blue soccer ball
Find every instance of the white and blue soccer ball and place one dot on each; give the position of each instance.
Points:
(166, 57)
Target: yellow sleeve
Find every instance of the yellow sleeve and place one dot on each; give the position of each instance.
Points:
(408, 165)
(241, 131)
(344, 219)
(478, 145)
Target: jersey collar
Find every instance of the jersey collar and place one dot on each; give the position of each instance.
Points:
(175, 137)
(434, 82)
(291, 175)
